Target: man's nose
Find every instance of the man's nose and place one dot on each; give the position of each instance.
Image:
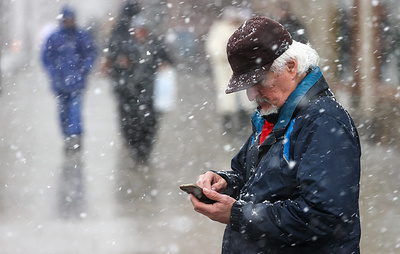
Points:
(251, 93)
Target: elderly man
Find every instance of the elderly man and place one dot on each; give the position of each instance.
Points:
(294, 185)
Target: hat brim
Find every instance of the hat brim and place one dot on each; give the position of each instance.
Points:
(243, 81)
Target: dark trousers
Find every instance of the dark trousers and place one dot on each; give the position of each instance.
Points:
(138, 119)
(69, 109)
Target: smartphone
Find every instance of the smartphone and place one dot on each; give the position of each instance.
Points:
(197, 192)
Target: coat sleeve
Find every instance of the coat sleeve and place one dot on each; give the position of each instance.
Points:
(48, 56)
(164, 55)
(236, 177)
(89, 52)
(328, 172)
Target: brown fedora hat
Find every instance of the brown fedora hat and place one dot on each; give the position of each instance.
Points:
(252, 49)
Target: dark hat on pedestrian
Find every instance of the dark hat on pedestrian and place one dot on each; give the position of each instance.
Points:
(131, 8)
(252, 49)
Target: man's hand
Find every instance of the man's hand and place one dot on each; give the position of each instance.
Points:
(212, 181)
(123, 61)
(106, 66)
(219, 211)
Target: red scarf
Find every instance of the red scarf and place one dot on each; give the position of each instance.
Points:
(267, 128)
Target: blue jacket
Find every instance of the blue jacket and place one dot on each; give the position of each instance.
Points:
(298, 191)
(68, 56)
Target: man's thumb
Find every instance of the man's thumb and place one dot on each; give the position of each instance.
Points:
(211, 194)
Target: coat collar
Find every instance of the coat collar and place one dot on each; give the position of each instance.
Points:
(287, 110)
(305, 90)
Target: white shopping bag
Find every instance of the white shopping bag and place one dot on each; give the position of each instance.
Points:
(165, 89)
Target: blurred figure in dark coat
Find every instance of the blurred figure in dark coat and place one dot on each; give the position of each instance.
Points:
(68, 56)
(288, 19)
(134, 56)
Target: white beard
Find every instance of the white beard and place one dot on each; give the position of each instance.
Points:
(272, 110)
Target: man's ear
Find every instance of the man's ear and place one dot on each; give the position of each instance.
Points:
(292, 67)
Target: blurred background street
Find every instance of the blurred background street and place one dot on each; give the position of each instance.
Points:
(99, 201)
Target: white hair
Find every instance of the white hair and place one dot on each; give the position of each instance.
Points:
(304, 54)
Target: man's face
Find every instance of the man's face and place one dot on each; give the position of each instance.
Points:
(69, 22)
(271, 93)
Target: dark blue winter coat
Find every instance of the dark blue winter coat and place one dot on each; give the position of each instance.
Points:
(298, 192)
(68, 56)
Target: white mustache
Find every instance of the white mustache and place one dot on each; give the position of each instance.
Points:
(262, 100)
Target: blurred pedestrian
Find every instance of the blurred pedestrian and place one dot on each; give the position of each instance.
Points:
(289, 20)
(134, 56)
(294, 185)
(68, 56)
(120, 43)
(235, 108)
